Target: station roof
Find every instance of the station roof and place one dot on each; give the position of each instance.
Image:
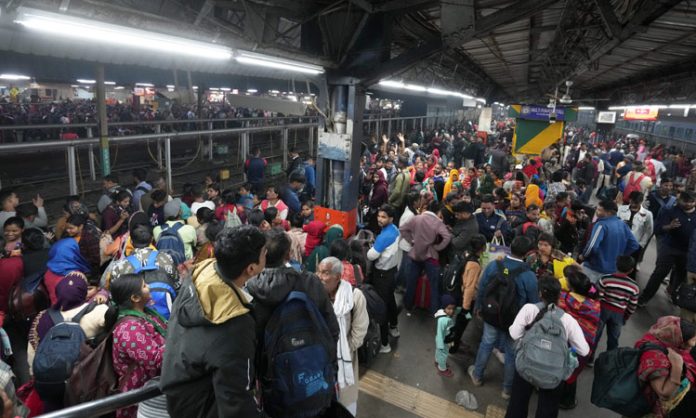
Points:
(620, 50)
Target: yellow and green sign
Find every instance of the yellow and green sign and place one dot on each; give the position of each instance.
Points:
(533, 131)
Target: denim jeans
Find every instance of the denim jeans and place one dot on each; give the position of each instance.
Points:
(613, 321)
(490, 339)
(413, 270)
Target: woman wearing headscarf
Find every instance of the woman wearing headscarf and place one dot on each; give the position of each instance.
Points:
(65, 256)
(122, 246)
(453, 177)
(71, 302)
(378, 196)
(532, 196)
(669, 378)
(139, 338)
(322, 251)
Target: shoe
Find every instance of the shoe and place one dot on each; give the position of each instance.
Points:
(590, 363)
(567, 406)
(394, 332)
(505, 394)
(445, 373)
(500, 356)
(474, 380)
(385, 349)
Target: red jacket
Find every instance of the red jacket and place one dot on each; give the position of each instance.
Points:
(315, 235)
(11, 271)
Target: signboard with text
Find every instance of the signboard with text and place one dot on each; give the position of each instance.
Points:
(641, 113)
(542, 112)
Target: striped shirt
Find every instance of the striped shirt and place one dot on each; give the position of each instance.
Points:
(618, 293)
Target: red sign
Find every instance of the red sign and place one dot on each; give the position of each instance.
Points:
(641, 113)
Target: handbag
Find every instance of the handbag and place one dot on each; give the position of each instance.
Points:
(495, 250)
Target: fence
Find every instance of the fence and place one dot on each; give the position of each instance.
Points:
(107, 405)
(236, 141)
(387, 126)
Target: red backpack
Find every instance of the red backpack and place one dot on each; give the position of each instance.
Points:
(632, 185)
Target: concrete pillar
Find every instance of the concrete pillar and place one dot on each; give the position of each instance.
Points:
(103, 123)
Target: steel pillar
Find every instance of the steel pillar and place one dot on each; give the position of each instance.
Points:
(92, 169)
(210, 142)
(103, 122)
(160, 166)
(72, 170)
(168, 159)
(284, 145)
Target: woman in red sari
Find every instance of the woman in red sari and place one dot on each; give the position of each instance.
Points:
(669, 378)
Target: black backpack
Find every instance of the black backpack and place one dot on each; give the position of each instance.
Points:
(451, 276)
(372, 342)
(500, 305)
(57, 353)
(376, 307)
(616, 385)
(685, 296)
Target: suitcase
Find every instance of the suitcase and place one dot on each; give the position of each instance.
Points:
(422, 293)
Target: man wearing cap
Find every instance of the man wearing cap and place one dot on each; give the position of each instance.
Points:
(465, 227)
(172, 215)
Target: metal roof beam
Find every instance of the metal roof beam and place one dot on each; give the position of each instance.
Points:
(405, 6)
(609, 18)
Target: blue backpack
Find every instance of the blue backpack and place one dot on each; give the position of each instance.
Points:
(170, 242)
(57, 353)
(161, 288)
(298, 372)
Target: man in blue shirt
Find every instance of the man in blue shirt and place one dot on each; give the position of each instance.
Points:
(385, 255)
(254, 168)
(311, 177)
(290, 194)
(527, 292)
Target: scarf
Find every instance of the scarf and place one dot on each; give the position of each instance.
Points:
(343, 304)
(150, 315)
(71, 291)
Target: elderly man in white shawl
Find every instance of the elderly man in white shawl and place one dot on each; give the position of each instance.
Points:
(350, 308)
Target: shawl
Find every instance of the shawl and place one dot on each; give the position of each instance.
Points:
(532, 196)
(65, 257)
(343, 305)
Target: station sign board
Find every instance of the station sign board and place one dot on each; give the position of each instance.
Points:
(606, 117)
(641, 113)
(542, 112)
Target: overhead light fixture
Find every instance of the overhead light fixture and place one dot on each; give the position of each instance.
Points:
(251, 58)
(14, 77)
(100, 32)
(481, 100)
(74, 85)
(170, 86)
(586, 108)
(225, 89)
(616, 107)
(679, 106)
(144, 84)
(414, 87)
(213, 89)
(119, 88)
(291, 97)
(85, 81)
(391, 83)
(195, 87)
(273, 91)
(252, 91)
(235, 91)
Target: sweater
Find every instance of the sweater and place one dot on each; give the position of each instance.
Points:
(618, 293)
(427, 234)
(385, 251)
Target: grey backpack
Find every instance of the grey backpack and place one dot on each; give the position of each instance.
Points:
(543, 356)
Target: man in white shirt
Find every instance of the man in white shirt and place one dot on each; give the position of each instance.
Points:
(640, 221)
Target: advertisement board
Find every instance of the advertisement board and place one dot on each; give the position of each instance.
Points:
(641, 113)
(606, 117)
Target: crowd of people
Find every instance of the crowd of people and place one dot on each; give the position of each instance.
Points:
(239, 302)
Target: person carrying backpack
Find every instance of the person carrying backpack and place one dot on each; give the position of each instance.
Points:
(270, 291)
(504, 287)
(543, 360)
(175, 237)
(51, 358)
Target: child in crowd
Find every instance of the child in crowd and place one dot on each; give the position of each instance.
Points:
(246, 198)
(618, 295)
(444, 323)
(307, 212)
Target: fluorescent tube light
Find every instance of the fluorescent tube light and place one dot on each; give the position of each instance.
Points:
(586, 108)
(273, 91)
(252, 91)
(679, 106)
(110, 83)
(481, 100)
(225, 88)
(14, 77)
(144, 84)
(213, 89)
(86, 30)
(170, 86)
(250, 58)
(616, 107)
(119, 88)
(85, 81)
(414, 87)
(391, 83)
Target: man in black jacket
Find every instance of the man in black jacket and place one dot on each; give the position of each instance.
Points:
(208, 367)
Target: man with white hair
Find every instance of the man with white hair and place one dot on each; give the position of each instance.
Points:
(350, 308)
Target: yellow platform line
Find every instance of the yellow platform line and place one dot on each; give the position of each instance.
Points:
(411, 399)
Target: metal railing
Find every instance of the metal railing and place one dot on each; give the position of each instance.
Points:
(380, 125)
(163, 140)
(109, 404)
